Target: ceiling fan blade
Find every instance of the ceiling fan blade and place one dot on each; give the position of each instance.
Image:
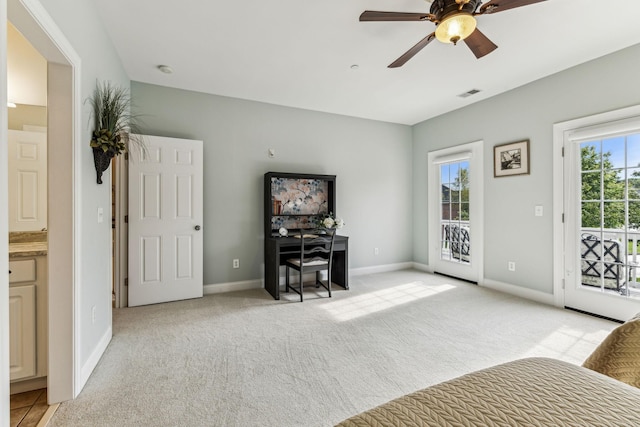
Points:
(372, 15)
(480, 44)
(412, 52)
(495, 6)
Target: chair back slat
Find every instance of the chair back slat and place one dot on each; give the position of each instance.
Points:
(314, 243)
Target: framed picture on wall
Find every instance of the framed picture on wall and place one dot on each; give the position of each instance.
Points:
(511, 159)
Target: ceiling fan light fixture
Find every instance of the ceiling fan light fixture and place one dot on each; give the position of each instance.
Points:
(456, 27)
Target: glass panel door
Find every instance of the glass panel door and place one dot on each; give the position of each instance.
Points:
(610, 214)
(602, 196)
(455, 206)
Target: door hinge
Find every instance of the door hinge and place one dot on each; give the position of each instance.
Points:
(562, 151)
(562, 283)
(563, 218)
(126, 219)
(126, 282)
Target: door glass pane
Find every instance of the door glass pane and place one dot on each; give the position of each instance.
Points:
(591, 215)
(590, 152)
(610, 215)
(454, 221)
(591, 185)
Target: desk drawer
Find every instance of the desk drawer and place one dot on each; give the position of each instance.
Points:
(22, 271)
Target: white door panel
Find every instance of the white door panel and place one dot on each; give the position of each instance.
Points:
(165, 220)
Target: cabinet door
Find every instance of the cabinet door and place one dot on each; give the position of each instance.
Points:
(22, 331)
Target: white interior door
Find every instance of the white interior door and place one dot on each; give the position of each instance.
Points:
(455, 211)
(27, 180)
(165, 221)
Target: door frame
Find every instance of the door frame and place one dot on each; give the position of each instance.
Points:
(64, 132)
(560, 200)
(474, 152)
(121, 243)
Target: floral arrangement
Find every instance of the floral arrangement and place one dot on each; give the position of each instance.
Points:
(114, 124)
(329, 221)
(115, 128)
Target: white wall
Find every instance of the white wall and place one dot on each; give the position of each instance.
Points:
(512, 232)
(81, 24)
(26, 71)
(372, 161)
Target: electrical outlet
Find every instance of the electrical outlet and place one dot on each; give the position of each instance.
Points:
(93, 314)
(512, 266)
(376, 251)
(236, 263)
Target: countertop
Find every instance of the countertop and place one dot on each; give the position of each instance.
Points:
(27, 249)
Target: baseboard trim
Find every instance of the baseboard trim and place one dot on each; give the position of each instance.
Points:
(380, 268)
(422, 267)
(244, 285)
(518, 291)
(93, 360)
(218, 288)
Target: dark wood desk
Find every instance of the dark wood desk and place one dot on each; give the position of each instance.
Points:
(278, 249)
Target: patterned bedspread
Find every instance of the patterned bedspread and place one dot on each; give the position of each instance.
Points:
(527, 392)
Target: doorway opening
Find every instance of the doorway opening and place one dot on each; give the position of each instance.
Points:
(63, 133)
(27, 148)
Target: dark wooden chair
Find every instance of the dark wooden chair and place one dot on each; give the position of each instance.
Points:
(316, 255)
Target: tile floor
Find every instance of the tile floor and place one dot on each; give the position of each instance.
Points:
(28, 408)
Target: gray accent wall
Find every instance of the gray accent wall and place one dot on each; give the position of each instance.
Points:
(372, 162)
(512, 232)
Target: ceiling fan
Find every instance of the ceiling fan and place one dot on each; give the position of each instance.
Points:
(455, 21)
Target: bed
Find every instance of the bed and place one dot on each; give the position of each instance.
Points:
(530, 392)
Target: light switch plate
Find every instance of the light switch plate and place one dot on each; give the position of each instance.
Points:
(100, 215)
(539, 210)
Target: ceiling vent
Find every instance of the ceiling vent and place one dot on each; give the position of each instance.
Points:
(469, 93)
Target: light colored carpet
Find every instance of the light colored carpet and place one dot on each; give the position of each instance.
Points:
(244, 359)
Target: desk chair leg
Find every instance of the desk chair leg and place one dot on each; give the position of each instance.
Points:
(329, 282)
(317, 279)
(287, 280)
(301, 285)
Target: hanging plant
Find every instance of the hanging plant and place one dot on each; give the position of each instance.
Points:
(115, 127)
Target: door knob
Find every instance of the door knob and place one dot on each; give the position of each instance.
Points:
(197, 227)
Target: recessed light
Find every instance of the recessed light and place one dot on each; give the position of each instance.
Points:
(165, 69)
